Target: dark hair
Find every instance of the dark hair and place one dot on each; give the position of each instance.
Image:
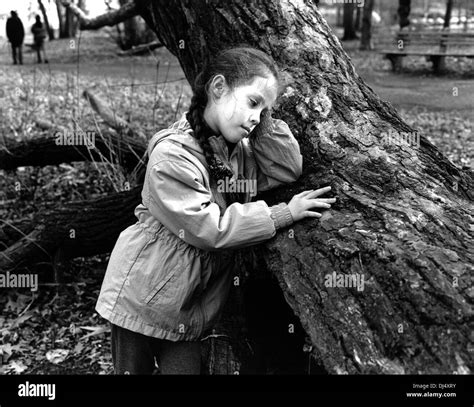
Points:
(239, 66)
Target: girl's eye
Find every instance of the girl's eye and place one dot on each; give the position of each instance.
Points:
(253, 103)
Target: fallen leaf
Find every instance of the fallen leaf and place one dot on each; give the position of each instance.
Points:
(16, 367)
(78, 348)
(57, 356)
(25, 317)
(5, 352)
(96, 330)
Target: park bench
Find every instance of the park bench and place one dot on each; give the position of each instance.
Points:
(434, 45)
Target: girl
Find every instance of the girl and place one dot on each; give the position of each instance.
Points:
(169, 274)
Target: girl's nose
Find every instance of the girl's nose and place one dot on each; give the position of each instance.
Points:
(255, 119)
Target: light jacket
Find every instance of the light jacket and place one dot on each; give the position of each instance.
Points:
(169, 274)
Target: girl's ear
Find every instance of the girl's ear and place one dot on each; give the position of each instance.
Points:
(218, 86)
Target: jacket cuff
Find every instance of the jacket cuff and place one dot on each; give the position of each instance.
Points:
(281, 215)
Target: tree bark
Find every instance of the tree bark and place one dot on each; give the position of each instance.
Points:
(366, 35)
(46, 20)
(403, 211)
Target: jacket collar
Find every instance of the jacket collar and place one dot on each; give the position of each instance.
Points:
(217, 142)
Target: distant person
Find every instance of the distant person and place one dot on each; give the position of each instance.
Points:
(15, 35)
(39, 35)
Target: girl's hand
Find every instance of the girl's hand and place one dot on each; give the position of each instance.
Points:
(265, 126)
(305, 200)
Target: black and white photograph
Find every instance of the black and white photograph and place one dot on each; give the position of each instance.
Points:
(248, 200)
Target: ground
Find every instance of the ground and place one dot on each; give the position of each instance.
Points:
(55, 330)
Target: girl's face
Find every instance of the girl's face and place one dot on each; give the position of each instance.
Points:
(234, 114)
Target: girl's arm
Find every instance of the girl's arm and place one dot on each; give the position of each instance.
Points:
(276, 153)
(176, 196)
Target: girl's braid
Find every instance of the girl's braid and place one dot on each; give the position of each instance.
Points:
(202, 132)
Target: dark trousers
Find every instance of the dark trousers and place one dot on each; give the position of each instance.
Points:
(39, 46)
(134, 353)
(16, 50)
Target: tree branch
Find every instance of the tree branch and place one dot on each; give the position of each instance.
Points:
(111, 18)
(62, 145)
(111, 118)
(141, 49)
(73, 229)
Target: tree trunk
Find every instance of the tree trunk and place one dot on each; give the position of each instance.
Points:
(447, 16)
(130, 33)
(357, 24)
(134, 32)
(404, 12)
(73, 231)
(70, 24)
(143, 49)
(468, 16)
(46, 21)
(66, 146)
(403, 213)
(339, 20)
(366, 35)
(61, 19)
(349, 29)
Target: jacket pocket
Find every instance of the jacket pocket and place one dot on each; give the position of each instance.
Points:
(162, 287)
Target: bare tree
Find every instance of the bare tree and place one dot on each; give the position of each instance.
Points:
(46, 20)
(366, 35)
(404, 12)
(68, 20)
(447, 16)
(349, 28)
(131, 34)
(358, 19)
